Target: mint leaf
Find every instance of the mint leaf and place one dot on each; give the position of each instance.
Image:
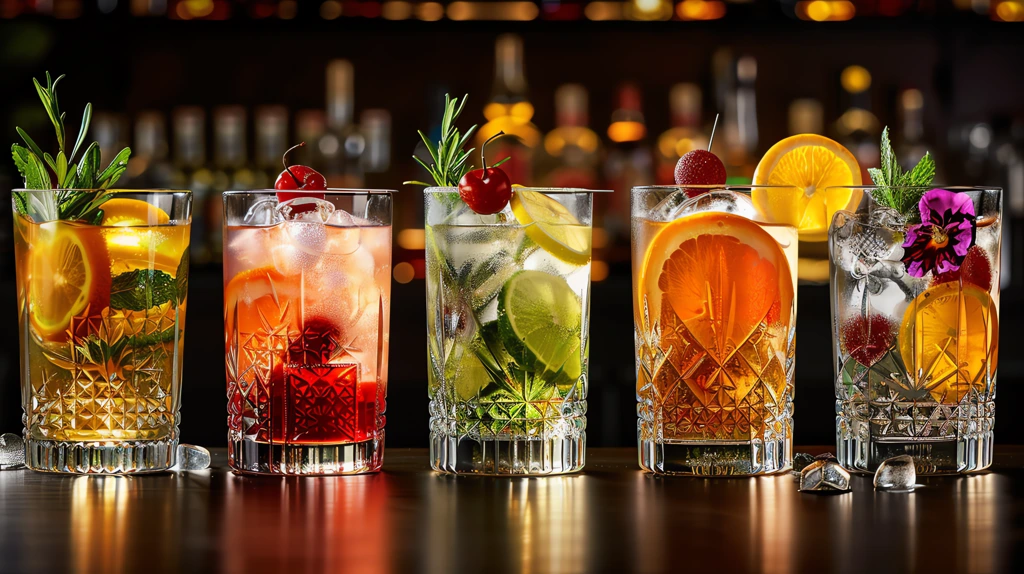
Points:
(141, 289)
(924, 172)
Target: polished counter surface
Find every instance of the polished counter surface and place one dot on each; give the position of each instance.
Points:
(610, 518)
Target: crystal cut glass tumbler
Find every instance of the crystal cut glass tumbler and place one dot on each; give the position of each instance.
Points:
(915, 318)
(508, 309)
(714, 306)
(101, 323)
(307, 293)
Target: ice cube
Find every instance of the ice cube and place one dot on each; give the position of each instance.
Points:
(678, 204)
(800, 461)
(343, 236)
(858, 247)
(12, 451)
(824, 476)
(192, 457)
(263, 212)
(896, 474)
(307, 236)
(306, 209)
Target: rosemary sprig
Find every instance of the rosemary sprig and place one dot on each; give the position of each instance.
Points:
(897, 189)
(81, 188)
(450, 161)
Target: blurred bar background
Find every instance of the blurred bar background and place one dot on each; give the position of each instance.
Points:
(602, 94)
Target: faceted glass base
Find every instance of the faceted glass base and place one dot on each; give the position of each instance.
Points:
(716, 458)
(507, 457)
(127, 457)
(930, 456)
(253, 457)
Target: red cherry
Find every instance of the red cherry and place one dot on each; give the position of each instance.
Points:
(299, 177)
(976, 269)
(866, 339)
(699, 167)
(487, 190)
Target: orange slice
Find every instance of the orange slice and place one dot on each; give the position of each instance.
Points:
(721, 274)
(809, 164)
(124, 212)
(949, 341)
(69, 270)
(260, 298)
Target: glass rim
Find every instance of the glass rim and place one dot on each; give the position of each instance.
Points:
(953, 188)
(111, 189)
(544, 190)
(725, 187)
(328, 191)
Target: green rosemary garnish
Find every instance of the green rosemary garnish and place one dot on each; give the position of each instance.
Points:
(450, 161)
(897, 189)
(80, 187)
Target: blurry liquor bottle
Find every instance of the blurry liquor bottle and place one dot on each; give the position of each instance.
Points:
(190, 172)
(149, 167)
(572, 153)
(628, 163)
(684, 135)
(735, 87)
(342, 145)
(858, 128)
(806, 116)
(110, 133)
(310, 128)
(509, 110)
(271, 143)
(231, 169)
(909, 142)
(375, 125)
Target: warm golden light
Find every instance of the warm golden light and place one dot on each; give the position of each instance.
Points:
(826, 10)
(855, 79)
(411, 239)
(1010, 11)
(330, 10)
(286, 10)
(598, 270)
(396, 10)
(700, 10)
(599, 238)
(430, 11)
(650, 10)
(404, 272)
(604, 11)
(194, 9)
(626, 131)
(515, 11)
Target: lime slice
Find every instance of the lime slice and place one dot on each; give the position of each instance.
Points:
(465, 369)
(541, 315)
(552, 226)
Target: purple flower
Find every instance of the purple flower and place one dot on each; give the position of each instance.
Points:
(940, 242)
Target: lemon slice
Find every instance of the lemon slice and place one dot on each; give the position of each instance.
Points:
(810, 164)
(552, 226)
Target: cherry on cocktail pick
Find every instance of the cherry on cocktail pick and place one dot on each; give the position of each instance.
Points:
(486, 190)
(700, 167)
(300, 178)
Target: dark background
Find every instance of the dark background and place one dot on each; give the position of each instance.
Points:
(967, 67)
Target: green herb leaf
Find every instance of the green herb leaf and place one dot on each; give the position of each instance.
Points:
(896, 189)
(449, 159)
(500, 162)
(29, 142)
(89, 167)
(923, 173)
(31, 168)
(113, 172)
(181, 278)
(86, 118)
(141, 289)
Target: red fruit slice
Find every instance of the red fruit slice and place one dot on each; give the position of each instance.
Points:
(976, 269)
(866, 339)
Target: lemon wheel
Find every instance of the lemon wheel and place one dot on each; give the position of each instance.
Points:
(552, 226)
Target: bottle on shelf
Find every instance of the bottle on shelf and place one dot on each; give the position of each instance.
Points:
(375, 125)
(190, 172)
(628, 164)
(509, 110)
(310, 127)
(110, 133)
(271, 125)
(342, 145)
(909, 142)
(806, 116)
(149, 167)
(858, 129)
(231, 169)
(685, 134)
(571, 150)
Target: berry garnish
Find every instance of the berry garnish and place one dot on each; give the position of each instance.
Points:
(700, 167)
(866, 339)
(299, 177)
(976, 269)
(486, 190)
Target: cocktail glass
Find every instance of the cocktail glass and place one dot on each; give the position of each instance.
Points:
(307, 292)
(101, 322)
(714, 305)
(508, 309)
(915, 310)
